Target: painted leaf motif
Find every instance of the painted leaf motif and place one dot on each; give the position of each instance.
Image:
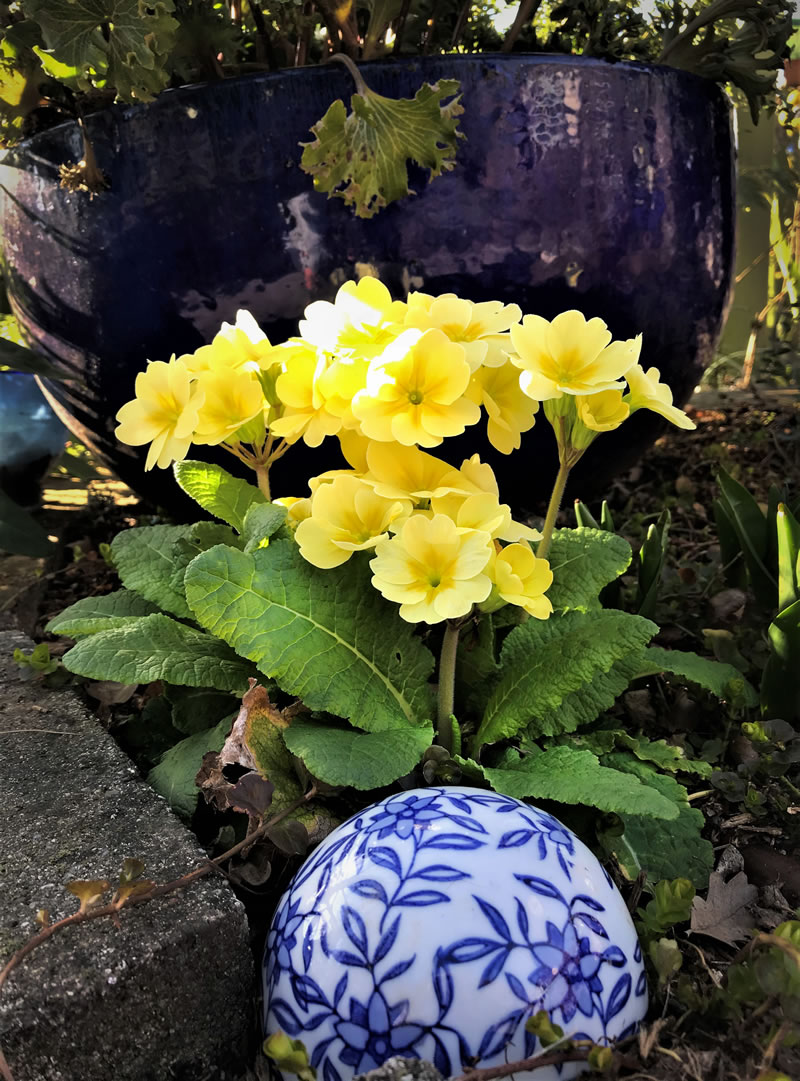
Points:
(325, 636)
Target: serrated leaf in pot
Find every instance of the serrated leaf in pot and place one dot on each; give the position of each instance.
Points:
(362, 156)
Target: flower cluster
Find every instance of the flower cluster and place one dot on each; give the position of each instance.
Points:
(388, 378)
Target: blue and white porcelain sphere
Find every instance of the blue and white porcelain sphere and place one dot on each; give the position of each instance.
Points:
(434, 924)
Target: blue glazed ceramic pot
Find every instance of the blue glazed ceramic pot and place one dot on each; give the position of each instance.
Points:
(435, 924)
(581, 184)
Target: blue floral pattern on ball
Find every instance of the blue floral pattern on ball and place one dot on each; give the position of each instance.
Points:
(435, 924)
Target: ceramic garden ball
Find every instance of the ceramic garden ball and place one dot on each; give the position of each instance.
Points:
(434, 924)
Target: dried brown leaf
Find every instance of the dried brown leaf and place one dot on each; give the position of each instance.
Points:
(251, 794)
(88, 892)
(723, 915)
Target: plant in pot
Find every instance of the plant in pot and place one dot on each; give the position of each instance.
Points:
(582, 182)
(339, 601)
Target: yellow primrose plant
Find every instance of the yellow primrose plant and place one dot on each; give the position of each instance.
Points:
(409, 620)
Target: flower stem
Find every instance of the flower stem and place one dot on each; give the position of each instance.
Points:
(552, 509)
(447, 681)
(262, 473)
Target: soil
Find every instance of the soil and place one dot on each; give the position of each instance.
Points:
(754, 436)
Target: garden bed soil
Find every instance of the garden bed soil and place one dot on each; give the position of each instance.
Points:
(755, 436)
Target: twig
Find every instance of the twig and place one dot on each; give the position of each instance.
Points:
(45, 731)
(5, 1069)
(557, 1058)
(527, 10)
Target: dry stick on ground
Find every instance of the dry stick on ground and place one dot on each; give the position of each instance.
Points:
(114, 907)
(553, 1058)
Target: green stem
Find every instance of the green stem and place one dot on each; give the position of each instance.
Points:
(262, 473)
(447, 682)
(553, 508)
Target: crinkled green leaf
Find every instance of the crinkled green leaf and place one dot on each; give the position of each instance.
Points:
(20, 533)
(174, 776)
(363, 760)
(124, 42)
(722, 680)
(672, 850)
(144, 560)
(262, 521)
(583, 561)
(326, 636)
(195, 709)
(157, 647)
(576, 776)
(93, 614)
(584, 705)
(361, 156)
(217, 491)
(476, 667)
(201, 537)
(664, 755)
(544, 662)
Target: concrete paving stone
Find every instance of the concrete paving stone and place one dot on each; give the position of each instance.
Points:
(167, 995)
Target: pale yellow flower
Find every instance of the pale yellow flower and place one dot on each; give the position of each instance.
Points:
(509, 409)
(240, 345)
(482, 510)
(346, 516)
(646, 392)
(415, 391)
(163, 413)
(305, 414)
(232, 398)
(397, 472)
(481, 328)
(522, 579)
(433, 569)
(354, 447)
(477, 478)
(298, 508)
(602, 412)
(362, 319)
(569, 355)
(339, 382)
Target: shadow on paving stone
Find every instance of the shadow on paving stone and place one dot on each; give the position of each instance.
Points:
(167, 995)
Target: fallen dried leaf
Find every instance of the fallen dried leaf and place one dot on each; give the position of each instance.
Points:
(723, 915)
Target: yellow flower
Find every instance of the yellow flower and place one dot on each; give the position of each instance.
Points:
(240, 345)
(569, 355)
(232, 398)
(602, 412)
(510, 410)
(415, 391)
(354, 447)
(480, 328)
(346, 516)
(298, 508)
(305, 413)
(363, 319)
(339, 382)
(522, 579)
(163, 413)
(646, 392)
(409, 473)
(433, 569)
(476, 478)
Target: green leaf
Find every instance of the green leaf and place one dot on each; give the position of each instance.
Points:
(676, 850)
(752, 530)
(788, 537)
(121, 41)
(583, 561)
(651, 565)
(722, 680)
(363, 760)
(326, 636)
(93, 614)
(780, 683)
(201, 537)
(731, 556)
(144, 560)
(263, 521)
(156, 647)
(584, 705)
(665, 755)
(225, 496)
(173, 777)
(20, 533)
(361, 156)
(195, 709)
(17, 358)
(543, 662)
(572, 776)
(476, 667)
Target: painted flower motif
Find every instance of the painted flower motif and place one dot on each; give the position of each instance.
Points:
(522, 579)
(375, 1032)
(570, 355)
(646, 392)
(164, 413)
(232, 398)
(402, 817)
(415, 391)
(482, 329)
(346, 516)
(433, 569)
(567, 972)
(509, 409)
(286, 927)
(242, 344)
(305, 414)
(362, 319)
